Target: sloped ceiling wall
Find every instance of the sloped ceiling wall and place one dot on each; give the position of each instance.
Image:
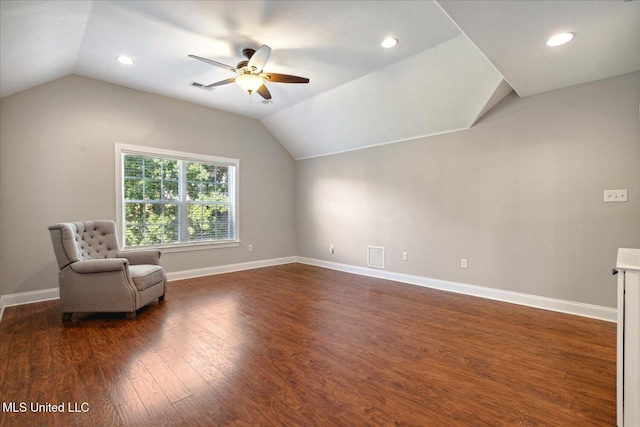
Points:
(439, 90)
(360, 95)
(455, 59)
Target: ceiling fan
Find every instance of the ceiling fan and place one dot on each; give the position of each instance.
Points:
(250, 74)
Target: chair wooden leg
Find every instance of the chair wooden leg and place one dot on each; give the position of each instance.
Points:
(131, 315)
(66, 317)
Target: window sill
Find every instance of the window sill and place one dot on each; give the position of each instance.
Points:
(186, 247)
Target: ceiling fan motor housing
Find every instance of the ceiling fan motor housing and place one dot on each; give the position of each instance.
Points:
(248, 52)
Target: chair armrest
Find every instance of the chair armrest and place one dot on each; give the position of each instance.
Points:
(99, 265)
(144, 256)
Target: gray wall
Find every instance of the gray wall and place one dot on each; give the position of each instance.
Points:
(520, 195)
(58, 162)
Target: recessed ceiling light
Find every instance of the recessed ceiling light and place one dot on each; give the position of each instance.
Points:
(560, 39)
(124, 60)
(389, 42)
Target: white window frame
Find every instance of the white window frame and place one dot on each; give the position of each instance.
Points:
(123, 149)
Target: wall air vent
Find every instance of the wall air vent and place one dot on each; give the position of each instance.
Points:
(375, 256)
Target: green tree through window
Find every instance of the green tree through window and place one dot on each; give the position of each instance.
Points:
(169, 201)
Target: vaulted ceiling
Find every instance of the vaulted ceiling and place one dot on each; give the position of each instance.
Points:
(453, 62)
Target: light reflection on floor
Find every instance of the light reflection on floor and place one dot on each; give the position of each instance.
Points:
(211, 345)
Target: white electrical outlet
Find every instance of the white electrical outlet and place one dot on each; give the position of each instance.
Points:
(463, 263)
(405, 256)
(615, 195)
(250, 248)
(331, 250)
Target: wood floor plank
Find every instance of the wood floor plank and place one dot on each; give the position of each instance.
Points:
(128, 405)
(67, 385)
(18, 367)
(16, 383)
(169, 382)
(41, 367)
(302, 345)
(156, 403)
(6, 332)
(217, 406)
(193, 412)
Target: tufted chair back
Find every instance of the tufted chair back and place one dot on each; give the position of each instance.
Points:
(80, 241)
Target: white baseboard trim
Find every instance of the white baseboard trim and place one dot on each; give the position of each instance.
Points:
(30, 297)
(54, 293)
(230, 268)
(562, 306)
(569, 307)
(27, 298)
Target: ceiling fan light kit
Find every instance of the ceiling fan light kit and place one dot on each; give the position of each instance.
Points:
(249, 82)
(250, 76)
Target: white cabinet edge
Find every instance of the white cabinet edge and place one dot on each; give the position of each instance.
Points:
(628, 259)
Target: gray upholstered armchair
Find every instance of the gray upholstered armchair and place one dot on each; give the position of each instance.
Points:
(96, 277)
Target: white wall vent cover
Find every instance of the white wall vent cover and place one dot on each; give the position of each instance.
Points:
(375, 256)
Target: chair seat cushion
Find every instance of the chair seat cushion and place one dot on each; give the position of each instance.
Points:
(146, 275)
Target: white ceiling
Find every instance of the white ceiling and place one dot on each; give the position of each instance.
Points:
(455, 59)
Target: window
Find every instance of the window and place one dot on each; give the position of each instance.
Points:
(169, 198)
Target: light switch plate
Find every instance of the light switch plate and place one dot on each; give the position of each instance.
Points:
(615, 195)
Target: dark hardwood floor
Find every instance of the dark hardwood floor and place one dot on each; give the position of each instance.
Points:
(297, 345)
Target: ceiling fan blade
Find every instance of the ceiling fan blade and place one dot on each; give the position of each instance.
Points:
(220, 83)
(285, 78)
(264, 92)
(200, 86)
(217, 64)
(260, 58)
